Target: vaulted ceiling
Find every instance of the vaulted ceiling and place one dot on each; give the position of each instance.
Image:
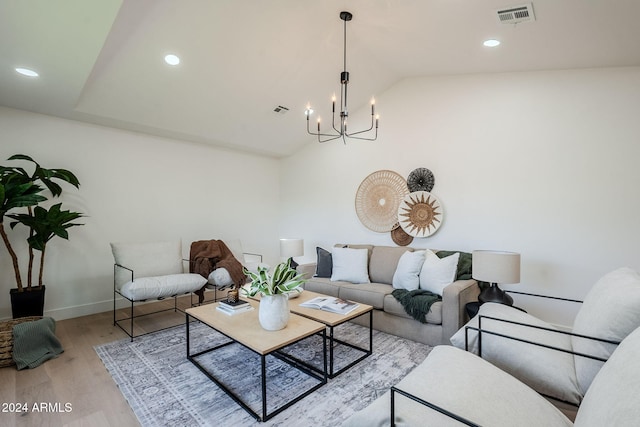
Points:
(101, 61)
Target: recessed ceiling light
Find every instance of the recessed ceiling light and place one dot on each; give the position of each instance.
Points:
(27, 72)
(491, 43)
(172, 59)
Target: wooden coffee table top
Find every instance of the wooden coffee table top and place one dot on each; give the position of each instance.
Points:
(326, 317)
(245, 327)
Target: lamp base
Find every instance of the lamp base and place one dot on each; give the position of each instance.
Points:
(494, 294)
(292, 263)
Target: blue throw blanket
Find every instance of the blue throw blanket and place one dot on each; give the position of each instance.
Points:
(35, 342)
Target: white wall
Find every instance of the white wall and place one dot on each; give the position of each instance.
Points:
(542, 163)
(135, 187)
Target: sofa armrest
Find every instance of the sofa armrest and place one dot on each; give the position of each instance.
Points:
(308, 269)
(454, 298)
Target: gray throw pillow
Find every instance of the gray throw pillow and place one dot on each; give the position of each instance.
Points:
(324, 267)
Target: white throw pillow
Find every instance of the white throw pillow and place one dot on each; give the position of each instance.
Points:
(350, 265)
(437, 273)
(220, 277)
(610, 311)
(547, 371)
(407, 275)
(162, 286)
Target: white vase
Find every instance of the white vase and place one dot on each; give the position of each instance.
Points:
(273, 312)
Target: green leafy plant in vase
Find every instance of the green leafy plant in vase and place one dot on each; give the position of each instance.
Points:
(275, 289)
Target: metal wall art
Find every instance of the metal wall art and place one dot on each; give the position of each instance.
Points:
(421, 179)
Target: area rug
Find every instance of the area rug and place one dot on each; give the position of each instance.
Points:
(164, 389)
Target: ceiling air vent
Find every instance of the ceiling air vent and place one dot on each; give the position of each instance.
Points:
(280, 109)
(516, 14)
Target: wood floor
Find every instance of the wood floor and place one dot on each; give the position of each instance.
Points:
(74, 389)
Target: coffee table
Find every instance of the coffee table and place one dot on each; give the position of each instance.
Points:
(245, 329)
(331, 320)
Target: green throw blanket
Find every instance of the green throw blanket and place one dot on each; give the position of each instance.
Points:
(416, 303)
(35, 342)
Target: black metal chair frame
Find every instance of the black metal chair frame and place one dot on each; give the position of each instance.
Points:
(425, 403)
(482, 331)
(116, 321)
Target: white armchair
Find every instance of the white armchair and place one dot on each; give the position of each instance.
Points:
(453, 387)
(557, 363)
(148, 271)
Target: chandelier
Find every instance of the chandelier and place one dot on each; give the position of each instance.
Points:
(340, 128)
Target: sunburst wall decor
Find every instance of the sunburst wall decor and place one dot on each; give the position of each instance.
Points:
(420, 214)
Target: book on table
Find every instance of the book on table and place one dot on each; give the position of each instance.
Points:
(234, 305)
(231, 312)
(331, 304)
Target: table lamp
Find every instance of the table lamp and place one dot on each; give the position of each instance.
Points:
(290, 248)
(496, 267)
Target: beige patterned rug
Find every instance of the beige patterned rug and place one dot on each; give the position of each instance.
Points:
(164, 389)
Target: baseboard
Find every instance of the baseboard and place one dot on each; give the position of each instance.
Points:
(80, 310)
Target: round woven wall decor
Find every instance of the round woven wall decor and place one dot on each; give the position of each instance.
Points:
(378, 199)
(400, 237)
(421, 179)
(420, 214)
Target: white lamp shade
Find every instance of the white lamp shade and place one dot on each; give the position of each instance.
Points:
(290, 248)
(496, 267)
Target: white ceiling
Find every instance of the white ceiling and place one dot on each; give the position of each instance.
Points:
(101, 61)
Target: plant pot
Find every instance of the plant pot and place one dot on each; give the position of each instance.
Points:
(27, 303)
(273, 312)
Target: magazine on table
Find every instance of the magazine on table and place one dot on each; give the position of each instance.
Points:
(334, 305)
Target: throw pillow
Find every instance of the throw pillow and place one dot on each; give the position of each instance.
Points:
(350, 265)
(324, 266)
(547, 371)
(407, 275)
(609, 311)
(464, 263)
(220, 277)
(437, 273)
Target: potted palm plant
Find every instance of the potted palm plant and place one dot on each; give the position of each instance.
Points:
(20, 196)
(275, 288)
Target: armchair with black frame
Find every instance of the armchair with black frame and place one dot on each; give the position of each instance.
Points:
(560, 364)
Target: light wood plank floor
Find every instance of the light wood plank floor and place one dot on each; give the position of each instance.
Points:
(77, 377)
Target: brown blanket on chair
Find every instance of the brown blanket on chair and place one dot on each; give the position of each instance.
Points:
(207, 255)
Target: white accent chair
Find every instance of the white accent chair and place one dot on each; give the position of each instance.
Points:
(453, 387)
(559, 364)
(148, 271)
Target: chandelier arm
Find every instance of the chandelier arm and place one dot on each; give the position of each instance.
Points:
(319, 134)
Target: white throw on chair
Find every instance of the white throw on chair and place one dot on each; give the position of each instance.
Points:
(148, 271)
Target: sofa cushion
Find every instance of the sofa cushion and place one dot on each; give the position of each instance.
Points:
(407, 275)
(467, 386)
(393, 306)
(548, 371)
(349, 265)
(144, 288)
(372, 294)
(610, 311)
(383, 263)
(438, 272)
(323, 285)
(612, 398)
